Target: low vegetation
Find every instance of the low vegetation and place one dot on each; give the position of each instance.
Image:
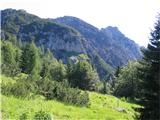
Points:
(101, 107)
(29, 107)
(36, 85)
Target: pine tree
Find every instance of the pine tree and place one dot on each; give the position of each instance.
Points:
(117, 72)
(150, 74)
(52, 68)
(46, 66)
(10, 58)
(31, 63)
(8, 53)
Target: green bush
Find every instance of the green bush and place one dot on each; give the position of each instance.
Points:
(23, 116)
(71, 95)
(41, 115)
(21, 87)
(63, 92)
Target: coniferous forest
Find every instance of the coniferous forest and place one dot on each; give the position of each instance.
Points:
(42, 82)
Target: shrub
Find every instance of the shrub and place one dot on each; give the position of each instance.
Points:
(71, 96)
(41, 115)
(83, 99)
(20, 87)
(23, 116)
(63, 92)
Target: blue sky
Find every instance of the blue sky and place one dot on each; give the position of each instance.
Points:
(134, 18)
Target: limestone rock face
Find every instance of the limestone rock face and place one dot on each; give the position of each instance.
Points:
(113, 46)
(68, 37)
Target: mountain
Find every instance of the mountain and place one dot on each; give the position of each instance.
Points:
(113, 46)
(69, 37)
(26, 27)
(54, 36)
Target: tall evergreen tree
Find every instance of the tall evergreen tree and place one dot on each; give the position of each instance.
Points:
(52, 68)
(31, 63)
(117, 72)
(10, 58)
(150, 74)
(46, 66)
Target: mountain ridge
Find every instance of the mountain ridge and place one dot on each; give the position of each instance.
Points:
(71, 36)
(101, 38)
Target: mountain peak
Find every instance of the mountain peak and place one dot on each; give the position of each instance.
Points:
(11, 10)
(112, 27)
(70, 18)
(114, 33)
(106, 48)
(112, 30)
(74, 21)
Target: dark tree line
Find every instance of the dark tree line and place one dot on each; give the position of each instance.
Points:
(141, 80)
(150, 75)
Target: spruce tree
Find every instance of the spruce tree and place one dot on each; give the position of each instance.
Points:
(150, 74)
(52, 69)
(46, 65)
(10, 58)
(117, 72)
(31, 63)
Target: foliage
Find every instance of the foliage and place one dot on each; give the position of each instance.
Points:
(63, 92)
(52, 69)
(149, 73)
(101, 107)
(23, 116)
(71, 95)
(31, 63)
(107, 88)
(42, 74)
(117, 71)
(49, 81)
(12, 19)
(58, 71)
(127, 81)
(10, 58)
(47, 65)
(83, 76)
(19, 86)
(41, 115)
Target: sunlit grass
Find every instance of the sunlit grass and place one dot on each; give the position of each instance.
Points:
(101, 107)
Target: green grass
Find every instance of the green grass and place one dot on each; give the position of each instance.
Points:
(102, 107)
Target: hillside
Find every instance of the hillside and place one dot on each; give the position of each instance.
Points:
(69, 37)
(64, 68)
(112, 45)
(103, 107)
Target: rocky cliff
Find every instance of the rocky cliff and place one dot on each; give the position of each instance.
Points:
(69, 36)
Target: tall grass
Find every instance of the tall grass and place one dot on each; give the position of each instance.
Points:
(101, 107)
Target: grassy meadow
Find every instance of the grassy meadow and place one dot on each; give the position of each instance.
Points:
(101, 107)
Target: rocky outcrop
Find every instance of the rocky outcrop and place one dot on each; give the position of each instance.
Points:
(109, 43)
(68, 36)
